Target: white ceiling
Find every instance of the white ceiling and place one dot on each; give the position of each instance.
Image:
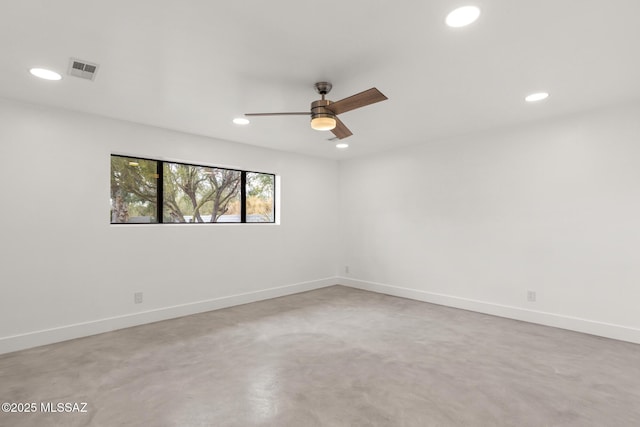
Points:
(194, 65)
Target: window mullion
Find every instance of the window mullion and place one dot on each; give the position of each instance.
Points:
(160, 191)
(243, 197)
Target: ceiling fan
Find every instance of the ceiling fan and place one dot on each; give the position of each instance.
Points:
(324, 112)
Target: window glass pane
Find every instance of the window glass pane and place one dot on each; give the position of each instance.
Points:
(195, 194)
(133, 190)
(260, 197)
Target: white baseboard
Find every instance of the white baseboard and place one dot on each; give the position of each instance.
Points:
(79, 330)
(602, 329)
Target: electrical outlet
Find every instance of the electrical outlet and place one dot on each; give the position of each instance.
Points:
(346, 269)
(137, 298)
(531, 296)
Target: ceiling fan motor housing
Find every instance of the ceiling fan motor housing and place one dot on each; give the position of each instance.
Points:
(319, 109)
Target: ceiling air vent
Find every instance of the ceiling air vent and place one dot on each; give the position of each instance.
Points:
(83, 69)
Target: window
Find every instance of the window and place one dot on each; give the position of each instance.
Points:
(200, 194)
(260, 191)
(134, 190)
(188, 193)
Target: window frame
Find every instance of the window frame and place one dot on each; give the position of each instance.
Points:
(160, 192)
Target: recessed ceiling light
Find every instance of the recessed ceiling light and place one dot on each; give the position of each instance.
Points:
(462, 16)
(241, 121)
(43, 73)
(539, 96)
(342, 145)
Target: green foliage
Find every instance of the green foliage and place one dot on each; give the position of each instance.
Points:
(133, 188)
(260, 195)
(260, 185)
(198, 194)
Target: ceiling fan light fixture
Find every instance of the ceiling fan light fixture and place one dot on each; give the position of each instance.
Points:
(323, 122)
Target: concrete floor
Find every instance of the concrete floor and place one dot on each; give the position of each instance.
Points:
(331, 357)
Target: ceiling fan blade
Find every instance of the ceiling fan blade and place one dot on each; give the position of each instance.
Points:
(341, 131)
(358, 100)
(278, 114)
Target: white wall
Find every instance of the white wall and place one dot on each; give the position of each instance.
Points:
(66, 272)
(472, 222)
(476, 222)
